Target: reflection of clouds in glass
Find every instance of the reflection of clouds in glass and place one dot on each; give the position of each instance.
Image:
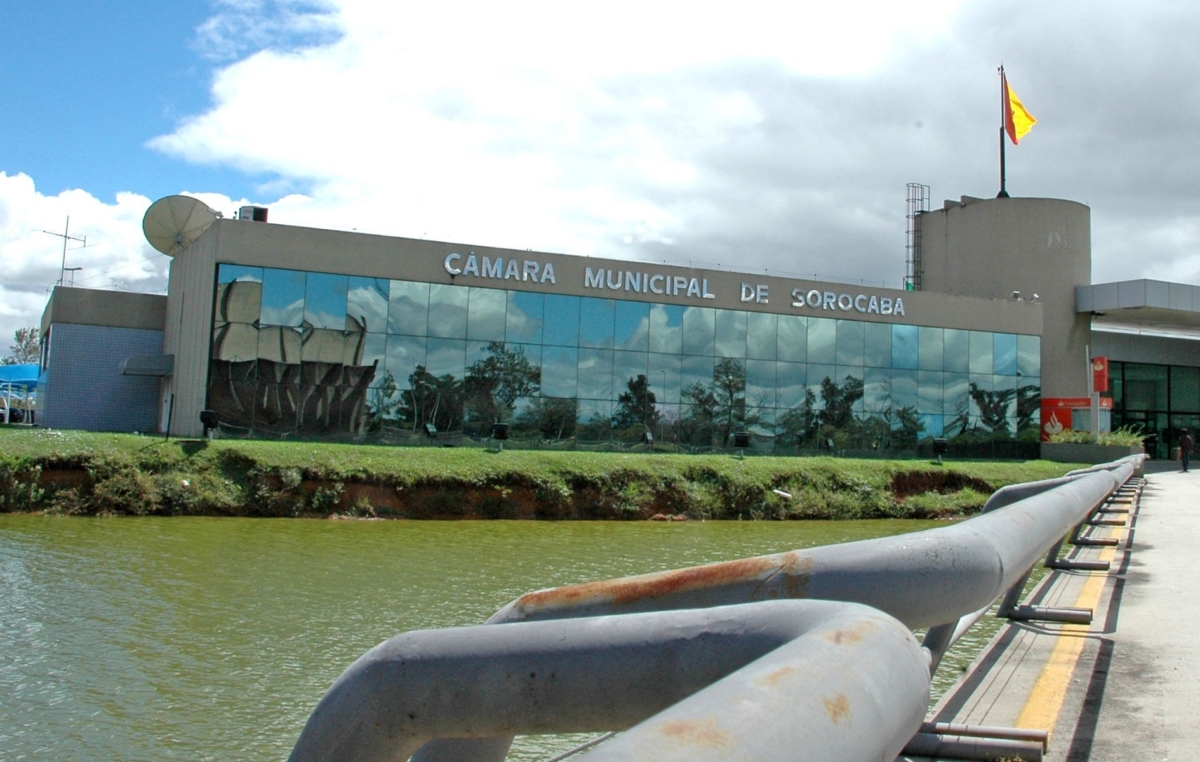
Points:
(288, 314)
(559, 368)
(666, 328)
(446, 357)
(485, 321)
(595, 373)
(448, 312)
(761, 329)
(793, 338)
(367, 304)
(633, 326)
(229, 273)
(524, 317)
(404, 354)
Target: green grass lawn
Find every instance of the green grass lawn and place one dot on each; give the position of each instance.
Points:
(87, 473)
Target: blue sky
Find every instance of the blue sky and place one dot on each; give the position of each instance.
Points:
(774, 136)
(86, 84)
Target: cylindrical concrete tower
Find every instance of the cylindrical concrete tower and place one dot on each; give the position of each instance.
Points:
(993, 248)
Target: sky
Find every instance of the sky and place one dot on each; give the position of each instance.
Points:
(770, 137)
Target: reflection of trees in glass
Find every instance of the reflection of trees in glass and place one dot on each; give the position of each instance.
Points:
(637, 410)
(553, 417)
(993, 407)
(494, 384)
(1029, 403)
(432, 399)
(800, 424)
(729, 396)
(698, 415)
(839, 401)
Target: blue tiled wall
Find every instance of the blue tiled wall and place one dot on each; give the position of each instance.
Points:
(84, 386)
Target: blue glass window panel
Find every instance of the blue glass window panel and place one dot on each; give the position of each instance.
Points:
(1029, 355)
(849, 342)
(929, 391)
(448, 311)
(632, 331)
(904, 389)
(595, 373)
(699, 331)
(760, 383)
(523, 317)
(596, 415)
(877, 345)
(446, 357)
(664, 372)
(239, 301)
(980, 385)
(877, 389)
(905, 347)
(731, 333)
(1004, 354)
(597, 318)
(956, 398)
(560, 366)
(561, 326)
(792, 342)
(479, 351)
(816, 375)
(369, 349)
(280, 344)
(956, 350)
(404, 354)
(227, 273)
(485, 314)
(696, 371)
(325, 301)
(761, 335)
(627, 366)
(666, 328)
(847, 374)
(931, 341)
(408, 308)
(282, 297)
(790, 379)
(367, 305)
(933, 425)
(981, 352)
(822, 342)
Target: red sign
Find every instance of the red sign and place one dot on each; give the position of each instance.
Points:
(1056, 412)
(1099, 374)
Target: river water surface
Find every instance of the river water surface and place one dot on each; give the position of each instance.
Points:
(212, 639)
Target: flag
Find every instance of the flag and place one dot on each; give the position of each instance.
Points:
(1017, 121)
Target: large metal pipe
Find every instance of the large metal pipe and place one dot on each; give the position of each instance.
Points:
(691, 685)
(924, 579)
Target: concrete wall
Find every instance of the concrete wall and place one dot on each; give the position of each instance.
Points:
(84, 388)
(990, 248)
(117, 309)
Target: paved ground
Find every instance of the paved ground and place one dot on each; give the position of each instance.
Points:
(1126, 687)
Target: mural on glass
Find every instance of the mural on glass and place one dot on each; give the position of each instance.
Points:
(318, 354)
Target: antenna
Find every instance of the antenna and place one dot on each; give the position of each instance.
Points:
(173, 222)
(66, 236)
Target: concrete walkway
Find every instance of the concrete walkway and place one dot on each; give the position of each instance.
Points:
(1126, 687)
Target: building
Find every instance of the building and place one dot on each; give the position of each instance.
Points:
(284, 331)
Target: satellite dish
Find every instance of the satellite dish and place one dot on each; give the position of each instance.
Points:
(173, 222)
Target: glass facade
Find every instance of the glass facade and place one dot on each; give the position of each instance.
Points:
(1158, 400)
(326, 355)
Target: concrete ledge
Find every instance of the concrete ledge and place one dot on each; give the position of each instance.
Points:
(1076, 452)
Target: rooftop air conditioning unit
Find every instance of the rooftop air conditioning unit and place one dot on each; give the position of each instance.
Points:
(252, 213)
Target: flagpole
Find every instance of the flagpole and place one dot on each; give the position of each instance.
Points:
(1003, 95)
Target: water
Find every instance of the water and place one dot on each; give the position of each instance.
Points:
(201, 638)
